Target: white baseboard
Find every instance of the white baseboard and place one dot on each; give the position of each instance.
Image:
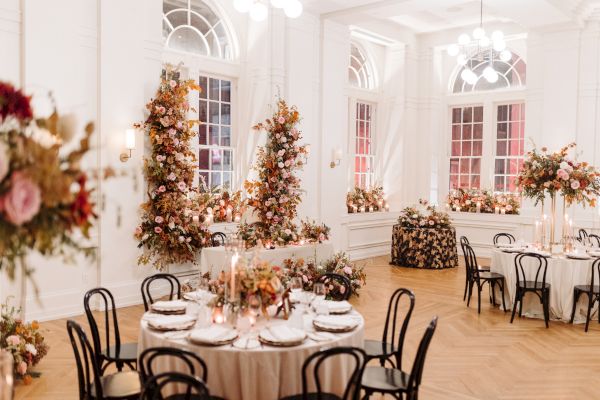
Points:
(369, 250)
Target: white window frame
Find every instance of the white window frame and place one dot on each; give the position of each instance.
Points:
(506, 157)
(371, 176)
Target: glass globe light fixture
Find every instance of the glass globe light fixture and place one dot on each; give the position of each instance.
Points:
(471, 78)
(490, 74)
(258, 12)
(499, 45)
(453, 50)
(484, 41)
(461, 59)
(242, 6)
(497, 36)
(478, 33)
(505, 55)
(293, 8)
(279, 3)
(464, 39)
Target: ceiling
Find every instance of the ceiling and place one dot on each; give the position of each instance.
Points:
(425, 16)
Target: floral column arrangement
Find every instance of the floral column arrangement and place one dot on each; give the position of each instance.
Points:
(277, 193)
(172, 229)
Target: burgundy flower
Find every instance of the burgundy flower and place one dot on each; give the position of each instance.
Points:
(14, 102)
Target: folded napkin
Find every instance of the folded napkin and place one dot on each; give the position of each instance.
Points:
(338, 306)
(283, 333)
(336, 321)
(199, 295)
(580, 256)
(212, 334)
(594, 253)
(171, 305)
(170, 321)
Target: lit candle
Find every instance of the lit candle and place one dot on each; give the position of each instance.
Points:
(234, 260)
(370, 208)
(362, 209)
(237, 218)
(301, 242)
(195, 219)
(229, 214)
(387, 207)
(354, 208)
(456, 208)
(478, 206)
(217, 315)
(503, 211)
(380, 205)
(496, 210)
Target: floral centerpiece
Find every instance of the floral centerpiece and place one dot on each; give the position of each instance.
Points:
(44, 200)
(309, 272)
(23, 340)
(340, 264)
(277, 193)
(483, 201)
(313, 232)
(226, 206)
(413, 217)
(172, 229)
(366, 200)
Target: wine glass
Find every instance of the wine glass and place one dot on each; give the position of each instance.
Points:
(319, 292)
(296, 284)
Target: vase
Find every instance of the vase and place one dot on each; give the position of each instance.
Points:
(6, 375)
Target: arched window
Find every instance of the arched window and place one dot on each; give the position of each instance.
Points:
(360, 72)
(511, 74)
(193, 27)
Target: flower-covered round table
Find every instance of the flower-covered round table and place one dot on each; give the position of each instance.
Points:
(431, 248)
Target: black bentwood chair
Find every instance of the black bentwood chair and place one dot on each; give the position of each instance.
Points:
(463, 241)
(188, 387)
(594, 239)
(540, 288)
(175, 288)
(353, 357)
(341, 280)
(92, 385)
(396, 382)
(592, 291)
(501, 236)
(582, 236)
(194, 365)
(119, 353)
(480, 278)
(384, 350)
(218, 239)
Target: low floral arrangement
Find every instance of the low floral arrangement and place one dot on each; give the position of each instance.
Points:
(366, 200)
(551, 173)
(339, 264)
(226, 206)
(43, 195)
(430, 217)
(313, 232)
(23, 340)
(483, 201)
(248, 233)
(172, 230)
(276, 194)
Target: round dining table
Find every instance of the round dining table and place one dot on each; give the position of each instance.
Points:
(562, 274)
(262, 373)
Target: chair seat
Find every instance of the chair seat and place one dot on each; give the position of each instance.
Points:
(531, 285)
(128, 352)
(119, 385)
(586, 288)
(313, 396)
(483, 268)
(490, 275)
(380, 379)
(378, 349)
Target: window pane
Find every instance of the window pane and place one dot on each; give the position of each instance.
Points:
(226, 91)
(465, 181)
(515, 112)
(500, 167)
(202, 112)
(466, 133)
(455, 132)
(213, 111)
(475, 166)
(478, 114)
(227, 164)
(478, 131)
(499, 184)
(513, 168)
(216, 160)
(225, 114)
(502, 132)
(453, 181)
(213, 132)
(468, 114)
(225, 136)
(203, 159)
(501, 148)
(456, 148)
(214, 89)
(466, 149)
(475, 181)
(215, 179)
(202, 134)
(477, 148)
(456, 115)
(227, 180)
(203, 87)
(464, 166)
(203, 178)
(454, 166)
(502, 113)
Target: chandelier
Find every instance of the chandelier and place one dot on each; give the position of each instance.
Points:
(259, 10)
(479, 48)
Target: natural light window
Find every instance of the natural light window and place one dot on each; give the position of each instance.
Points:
(192, 26)
(363, 139)
(466, 148)
(215, 159)
(511, 74)
(360, 72)
(510, 144)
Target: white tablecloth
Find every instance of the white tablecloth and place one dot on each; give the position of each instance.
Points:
(562, 274)
(215, 259)
(265, 373)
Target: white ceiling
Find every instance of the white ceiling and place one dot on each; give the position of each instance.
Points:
(424, 16)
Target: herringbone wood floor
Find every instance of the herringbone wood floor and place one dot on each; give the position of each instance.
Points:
(471, 357)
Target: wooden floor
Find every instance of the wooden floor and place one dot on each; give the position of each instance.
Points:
(471, 357)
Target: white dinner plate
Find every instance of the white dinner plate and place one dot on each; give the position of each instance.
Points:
(575, 256)
(214, 335)
(335, 323)
(282, 335)
(171, 322)
(169, 307)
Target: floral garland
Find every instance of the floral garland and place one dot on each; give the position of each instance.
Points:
(489, 203)
(277, 193)
(412, 217)
(550, 173)
(313, 232)
(366, 200)
(172, 229)
(43, 194)
(23, 340)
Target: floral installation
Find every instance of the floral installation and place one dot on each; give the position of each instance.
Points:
(545, 172)
(23, 340)
(467, 200)
(226, 206)
(172, 227)
(276, 194)
(313, 232)
(366, 200)
(413, 217)
(248, 233)
(44, 200)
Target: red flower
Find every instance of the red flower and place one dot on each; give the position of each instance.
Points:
(14, 102)
(82, 209)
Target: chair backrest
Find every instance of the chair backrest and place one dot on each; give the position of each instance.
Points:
(595, 273)
(416, 373)
(175, 287)
(110, 318)
(464, 240)
(88, 371)
(357, 360)
(470, 261)
(389, 330)
(582, 235)
(218, 239)
(343, 281)
(594, 239)
(195, 365)
(503, 235)
(193, 388)
(538, 263)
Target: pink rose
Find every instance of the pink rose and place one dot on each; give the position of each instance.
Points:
(159, 219)
(23, 201)
(22, 368)
(13, 340)
(138, 230)
(162, 188)
(182, 186)
(281, 120)
(575, 184)
(172, 83)
(4, 161)
(562, 174)
(348, 270)
(158, 229)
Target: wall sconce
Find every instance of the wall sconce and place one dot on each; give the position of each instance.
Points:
(129, 145)
(336, 159)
